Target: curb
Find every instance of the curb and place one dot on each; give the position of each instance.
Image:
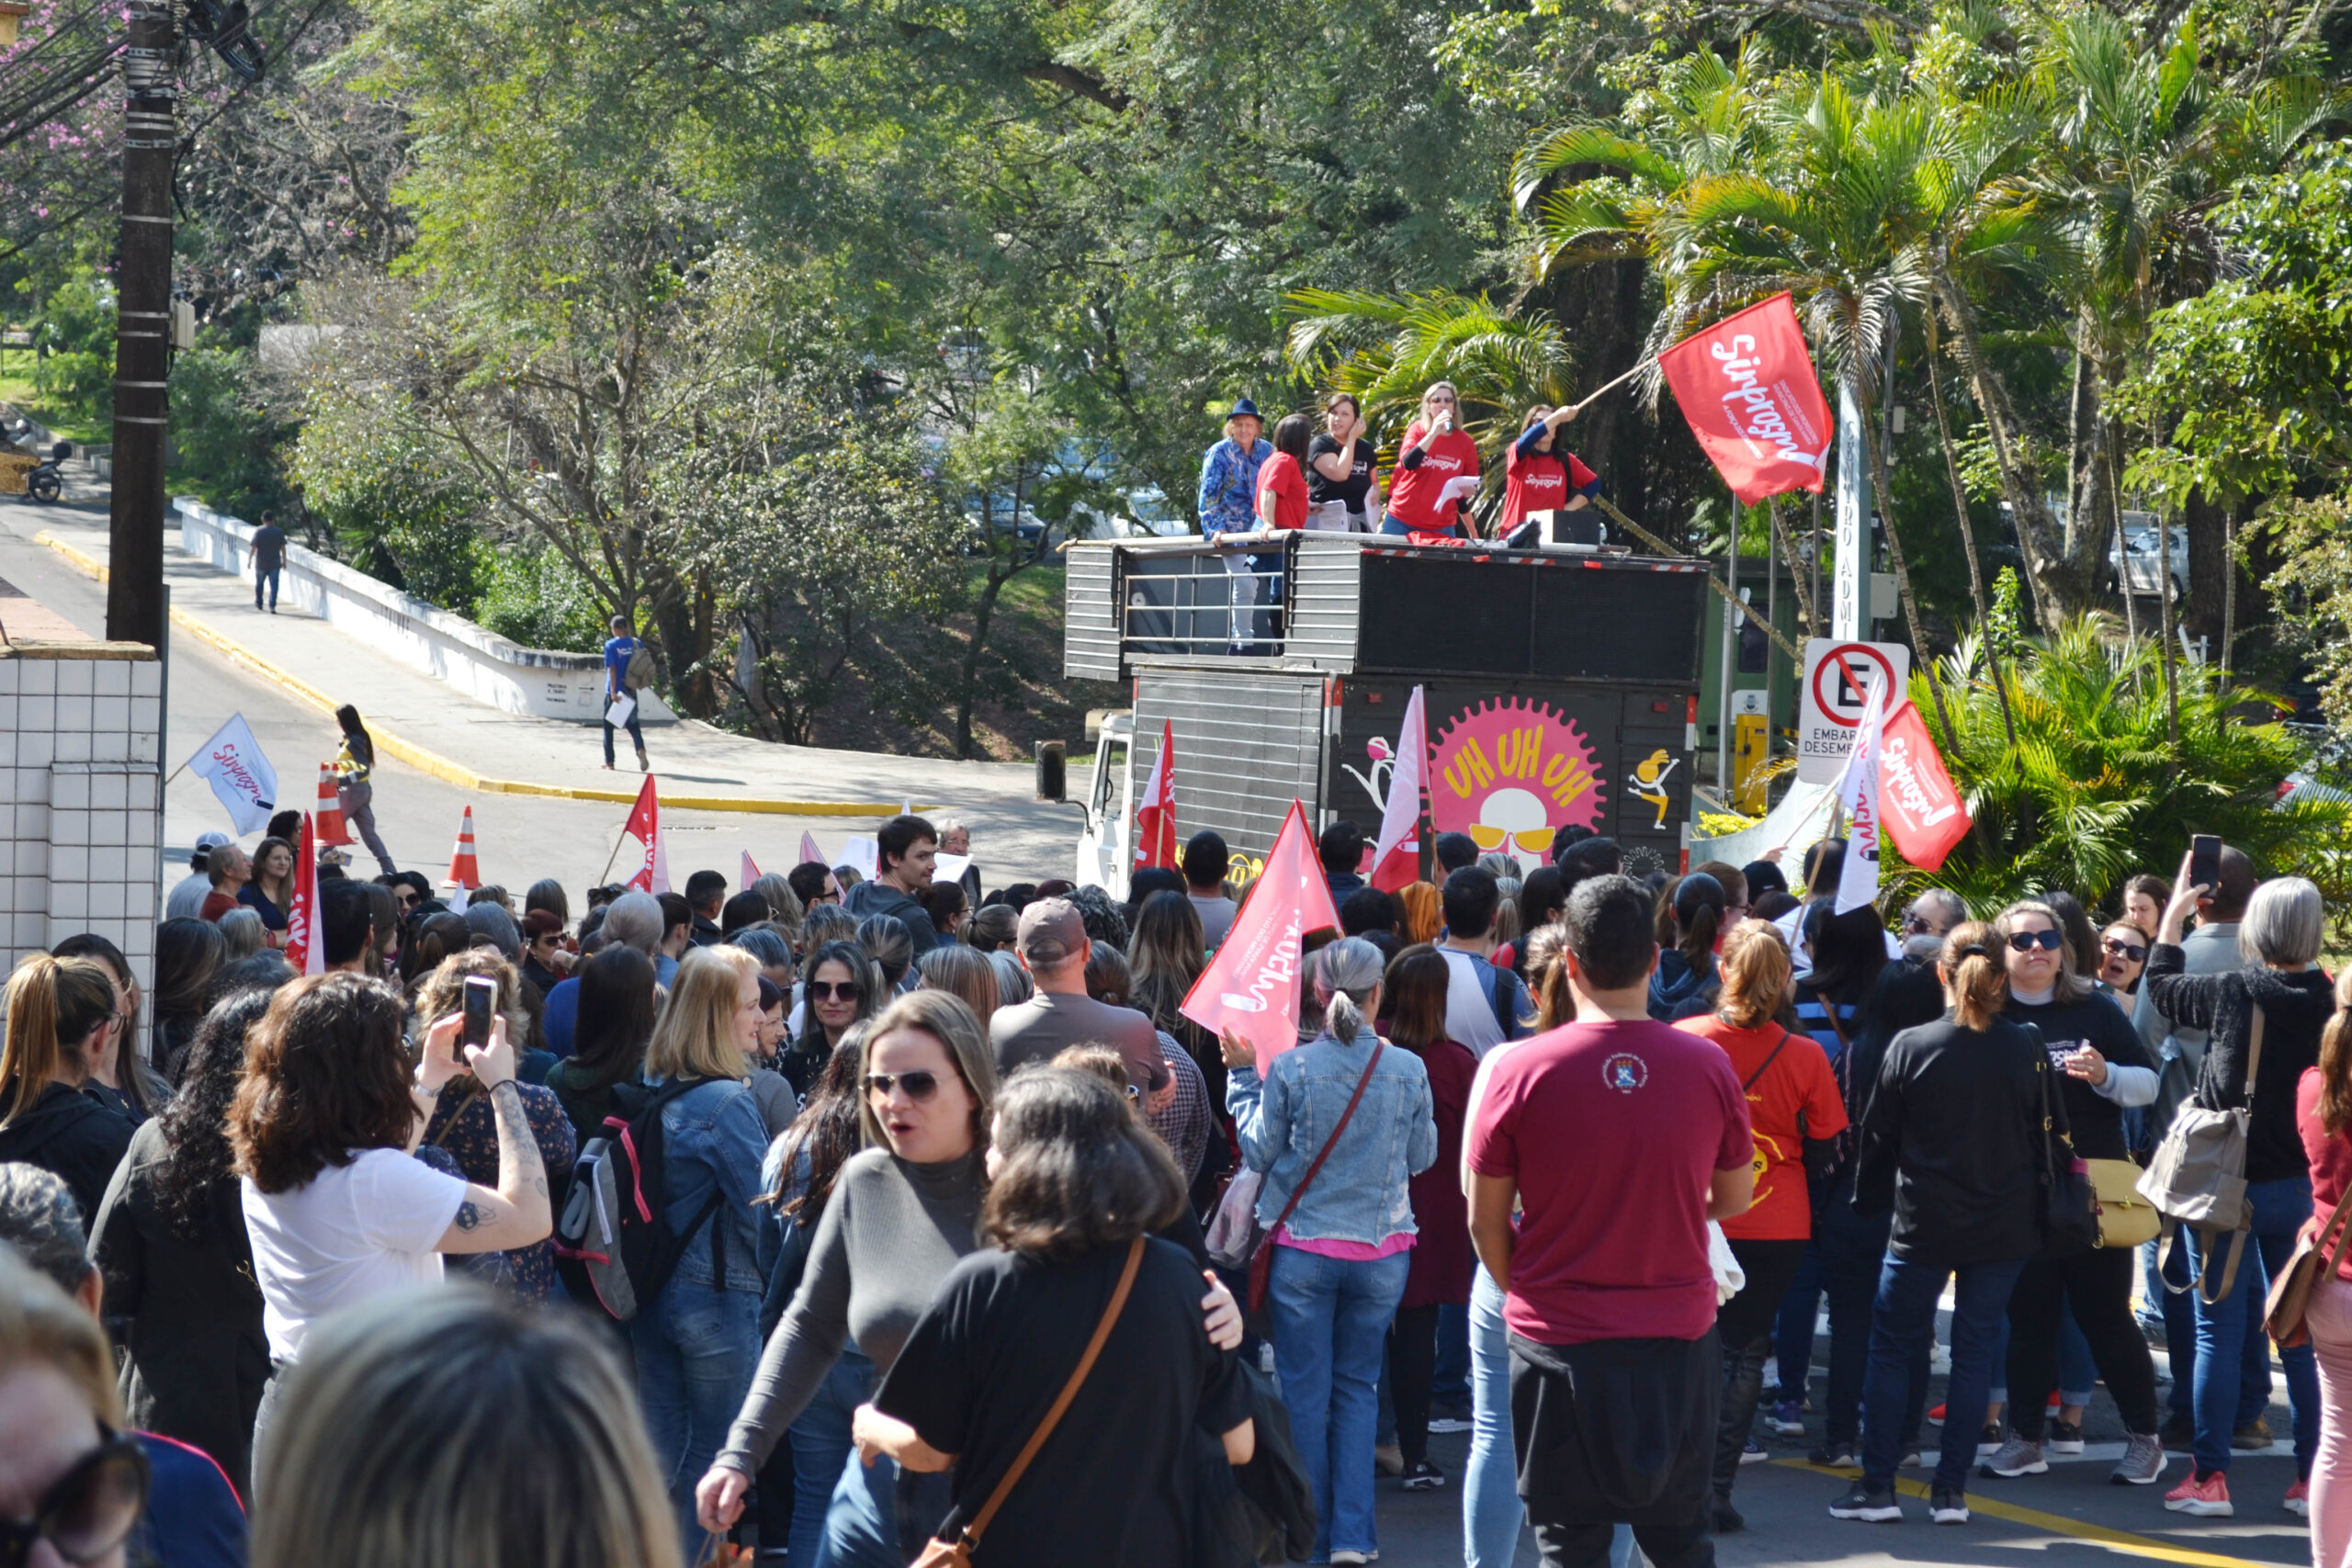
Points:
(440, 767)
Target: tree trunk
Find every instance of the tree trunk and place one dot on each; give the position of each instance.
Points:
(969, 677)
(2037, 533)
(2164, 615)
(2210, 572)
(1919, 648)
(1968, 539)
(2087, 495)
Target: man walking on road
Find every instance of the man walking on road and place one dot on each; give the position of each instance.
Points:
(906, 851)
(618, 651)
(266, 559)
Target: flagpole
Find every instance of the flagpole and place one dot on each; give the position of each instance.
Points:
(1639, 366)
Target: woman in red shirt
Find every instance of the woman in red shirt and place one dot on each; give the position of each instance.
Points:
(1281, 478)
(1435, 452)
(1793, 1102)
(1539, 475)
(2323, 1116)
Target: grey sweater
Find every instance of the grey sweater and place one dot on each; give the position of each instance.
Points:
(888, 1237)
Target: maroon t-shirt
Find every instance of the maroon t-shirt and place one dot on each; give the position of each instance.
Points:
(1613, 1132)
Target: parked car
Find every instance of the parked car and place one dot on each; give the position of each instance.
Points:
(2140, 546)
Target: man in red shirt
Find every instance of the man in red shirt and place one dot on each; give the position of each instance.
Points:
(1618, 1138)
(230, 869)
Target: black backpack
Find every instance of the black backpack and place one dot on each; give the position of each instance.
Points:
(613, 1245)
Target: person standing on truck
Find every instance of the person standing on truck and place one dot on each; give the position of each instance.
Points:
(1339, 467)
(266, 559)
(619, 649)
(1227, 505)
(1540, 475)
(1435, 452)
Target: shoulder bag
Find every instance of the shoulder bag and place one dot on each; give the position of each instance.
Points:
(1262, 1256)
(2291, 1293)
(2198, 1179)
(957, 1554)
(2069, 1214)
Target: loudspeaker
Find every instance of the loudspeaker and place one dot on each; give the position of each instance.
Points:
(1580, 532)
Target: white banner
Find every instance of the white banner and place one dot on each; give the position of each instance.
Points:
(1858, 881)
(233, 763)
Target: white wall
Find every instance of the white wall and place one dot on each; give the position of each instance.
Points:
(483, 665)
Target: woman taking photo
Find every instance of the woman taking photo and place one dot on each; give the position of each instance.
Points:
(1339, 467)
(2324, 1118)
(1435, 452)
(355, 764)
(61, 1014)
(170, 1239)
(2098, 1068)
(1539, 475)
(1074, 1280)
(1339, 1267)
(271, 892)
(1954, 1142)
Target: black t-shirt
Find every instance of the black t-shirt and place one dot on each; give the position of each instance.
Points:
(269, 547)
(1114, 1482)
(1351, 490)
(2096, 1121)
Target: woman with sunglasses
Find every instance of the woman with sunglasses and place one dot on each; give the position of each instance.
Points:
(843, 989)
(2098, 1067)
(76, 1484)
(2122, 958)
(1436, 451)
(61, 1014)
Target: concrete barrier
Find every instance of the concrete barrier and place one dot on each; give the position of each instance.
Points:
(484, 666)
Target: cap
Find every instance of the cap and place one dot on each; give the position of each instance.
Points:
(209, 840)
(1244, 409)
(1051, 933)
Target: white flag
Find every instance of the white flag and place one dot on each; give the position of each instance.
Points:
(1396, 856)
(1858, 881)
(232, 762)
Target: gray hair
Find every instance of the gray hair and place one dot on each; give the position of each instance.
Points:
(1346, 975)
(40, 1220)
(764, 944)
(1497, 864)
(634, 919)
(262, 972)
(2284, 922)
(492, 921)
(824, 923)
(241, 933)
(1013, 983)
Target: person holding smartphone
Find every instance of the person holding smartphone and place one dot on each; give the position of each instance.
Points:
(1435, 452)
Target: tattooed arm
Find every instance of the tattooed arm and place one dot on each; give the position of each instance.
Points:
(518, 1212)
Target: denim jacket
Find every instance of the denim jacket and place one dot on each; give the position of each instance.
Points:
(713, 1133)
(1360, 1193)
(1228, 498)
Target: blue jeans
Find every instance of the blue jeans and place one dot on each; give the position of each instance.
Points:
(821, 1446)
(1843, 1265)
(1491, 1516)
(265, 577)
(635, 734)
(2077, 1373)
(2229, 1328)
(696, 1351)
(1902, 1319)
(1330, 1336)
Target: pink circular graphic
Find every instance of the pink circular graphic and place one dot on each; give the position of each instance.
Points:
(1510, 773)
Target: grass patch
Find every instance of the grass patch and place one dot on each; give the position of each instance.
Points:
(16, 387)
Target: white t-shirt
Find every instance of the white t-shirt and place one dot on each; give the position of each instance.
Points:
(1469, 1004)
(352, 1232)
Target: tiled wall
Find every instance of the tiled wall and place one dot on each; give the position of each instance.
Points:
(80, 800)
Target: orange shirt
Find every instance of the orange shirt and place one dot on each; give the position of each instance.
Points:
(1798, 1084)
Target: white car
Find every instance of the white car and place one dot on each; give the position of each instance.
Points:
(2140, 548)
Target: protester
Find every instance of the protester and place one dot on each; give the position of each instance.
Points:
(1054, 949)
(1339, 1236)
(784, 904)
(61, 1015)
(2278, 942)
(1339, 468)
(991, 930)
(2323, 1120)
(1281, 501)
(677, 935)
(1540, 476)
(1484, 1005)
(1954, 1142)
(1615, 1139)
(1184, 1118)
(169, 1236)
(1794, 1112)
(1691, 919)
(955, 838)
(892, 947)
(229, 870)
(271, 892)
(1420, 913)
(1074, 1280)
(1226, 504)
(451, 1430)
(963, 973)
(545, 962)
(2122, 956)
(616, 1011)
(1205, 868)
(813, 883)
(907, 848)
(355, 764)
(2097, 1067)
(844, 988)
(1434, 452)
(1341, 849)
(187, 894)
(119, 1075)
(945, 904)
(2143, 901)
(619, 649)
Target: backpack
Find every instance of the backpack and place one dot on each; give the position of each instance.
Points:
(614, 1244)
(2197, 1178)
(639, 673)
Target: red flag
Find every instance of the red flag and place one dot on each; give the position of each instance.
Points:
(644, 825)
(305, 949)
(1156, 817)
(1747, 387)
(1918, 802)
(1251, 986)
(1396, 856)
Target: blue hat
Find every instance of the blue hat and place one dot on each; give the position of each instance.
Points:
(1244, 408)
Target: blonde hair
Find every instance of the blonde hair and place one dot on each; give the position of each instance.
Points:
(1100, 1061)
(53, 1005)
(2072, 986)
(1432, 389)
(42, 1325)
(943, 1017)
(1755, 967)
(695, 1037)
(1548, 977)
(449, 1428)
(1975, 980)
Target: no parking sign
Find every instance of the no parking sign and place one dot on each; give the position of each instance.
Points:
(1835, 697)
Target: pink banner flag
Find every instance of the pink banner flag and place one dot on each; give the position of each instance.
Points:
(306, 950)
(748, 874)
(809, 853)
(1251, 985)
(1396, 857)
(1747, 387)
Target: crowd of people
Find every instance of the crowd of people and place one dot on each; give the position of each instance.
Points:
(841, 1214)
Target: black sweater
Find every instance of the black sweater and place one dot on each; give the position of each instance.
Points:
(2295, 1006)
(1952, 1142)
(75, 1135)
(2067, 1027)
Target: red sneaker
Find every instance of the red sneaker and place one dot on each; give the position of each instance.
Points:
(2298, 1499)
(2209, 1498)
(1936, 1417)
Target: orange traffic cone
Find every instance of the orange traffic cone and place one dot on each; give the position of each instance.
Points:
(328, 819)
(465, 871)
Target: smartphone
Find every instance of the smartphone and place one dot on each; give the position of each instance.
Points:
(2204, 861)
(481, 999)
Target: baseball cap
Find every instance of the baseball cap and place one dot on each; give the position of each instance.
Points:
(209, 840)
(1051, 933)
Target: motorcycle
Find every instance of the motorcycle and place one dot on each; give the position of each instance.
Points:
(45, 482)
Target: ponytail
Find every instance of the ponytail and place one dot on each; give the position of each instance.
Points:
(1975, 981)
(2336, 1062)
(1347, 973)
(1695, 908)
(53, 1005)
(1697, 943)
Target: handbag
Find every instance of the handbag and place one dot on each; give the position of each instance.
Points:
(2125, 1219)
(2069, 1216)
(1261, 1257)
(2197, 1178)
(957, 1554)
(2291, 1292)
(1234, 1231)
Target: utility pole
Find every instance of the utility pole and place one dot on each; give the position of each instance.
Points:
(144, 326)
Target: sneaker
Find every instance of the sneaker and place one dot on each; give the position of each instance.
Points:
(2298, 1499)
(1936, 1417)
(1834, 1456)
(1450, 1415)
(2179, 1431)
(2255, 1433)
(1874, 1505)
(1423, 1477)
(2143, 1461)
(1724, 1519)
(1910, 1459)
(2208, 1499)
(643, 765)
(1988, 1441)
(2065, 1436)
(1948, 1507)
(1343, 1554)
(1389, 1460)
(2017, 1457)
(1448, 1423)
(1787, 1419)
(1771, 1371)
(1754, 1453)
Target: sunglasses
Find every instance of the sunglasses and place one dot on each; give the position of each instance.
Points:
(2122, 949)
(1447, 400)
(919, 1086)
(828, 990)
(88, 1511)
(2026, 942)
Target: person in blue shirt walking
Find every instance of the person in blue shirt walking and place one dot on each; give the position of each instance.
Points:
(1228, 505)
(618, 651)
